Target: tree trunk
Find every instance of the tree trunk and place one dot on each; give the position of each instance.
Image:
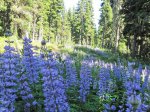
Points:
(103, 36)
(19, 32)
(40, 34)
(128, 44)
(6, 18)
(134, 46)
(56, 33)
(81, 33)
(34, 27)
(117, 39)
(116, 22)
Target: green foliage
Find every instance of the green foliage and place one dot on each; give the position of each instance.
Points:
(81, 22)
(105, 27)
(48, 19)
(122, 47)
(16, 43)
(35, 18)
(136, 30)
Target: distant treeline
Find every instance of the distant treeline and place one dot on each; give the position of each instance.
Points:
(123, 24)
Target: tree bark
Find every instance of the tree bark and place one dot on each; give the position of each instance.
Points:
(134, 46)
(103, 36)
(34, 27)
(117, 38)
(40, 34)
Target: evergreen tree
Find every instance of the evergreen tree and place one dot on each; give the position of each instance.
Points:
(40, 26)
(89, 24)
(66, 30)
(105, 28)
(5, 21)
(117, 22)
(21, 17)
(137, 22)
(56, 10)
(84, 22)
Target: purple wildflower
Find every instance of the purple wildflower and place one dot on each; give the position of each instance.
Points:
(30, 62)
(85, 80)
(8, 80)
(71, 74)
(53, 88)
(104, 82)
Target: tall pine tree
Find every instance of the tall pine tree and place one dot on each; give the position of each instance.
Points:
(105, 24)
(84, 26)
(137, 21)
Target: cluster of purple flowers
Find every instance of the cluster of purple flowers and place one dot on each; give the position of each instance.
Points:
(71, 73)
(53, 87)
(20, 74)
(104, 82)
(109, 108)
(85, 80)
(8, 80)
(133, 88)
(29, 62)
(136, 91)
(28, 75)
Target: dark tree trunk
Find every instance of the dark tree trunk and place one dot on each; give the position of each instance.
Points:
(134, 46)
(128, 44)
(117, 38)
(19, 32)
(103, 36)
(141, 48)
(6, 21)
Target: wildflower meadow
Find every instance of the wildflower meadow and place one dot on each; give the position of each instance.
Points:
(47, 81)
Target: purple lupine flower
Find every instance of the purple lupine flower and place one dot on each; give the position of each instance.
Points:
(113, 107)
(109, 108)
(117, 72)
(104, 82)
(53, 88)
(121, 109)
(129, 72)
(30, 62)
(95, 83)
(71, 74)
(135, 104)
(60, 65)
(85, 80)
(138, 75)
(25, 91)
(146, 87)
(134, 99)
(144, 107)
(8, 80)
(28, 75)
(145, 84)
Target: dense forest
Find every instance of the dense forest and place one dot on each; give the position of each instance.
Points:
(123, 24)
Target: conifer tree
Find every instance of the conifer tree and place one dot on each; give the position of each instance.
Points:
(84, 22)
(105, 23)
(117, 22)
(137, 22)
(56, 10)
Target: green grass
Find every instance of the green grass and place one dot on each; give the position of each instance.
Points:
(77, 51)
(18, 44)
(104, 54)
